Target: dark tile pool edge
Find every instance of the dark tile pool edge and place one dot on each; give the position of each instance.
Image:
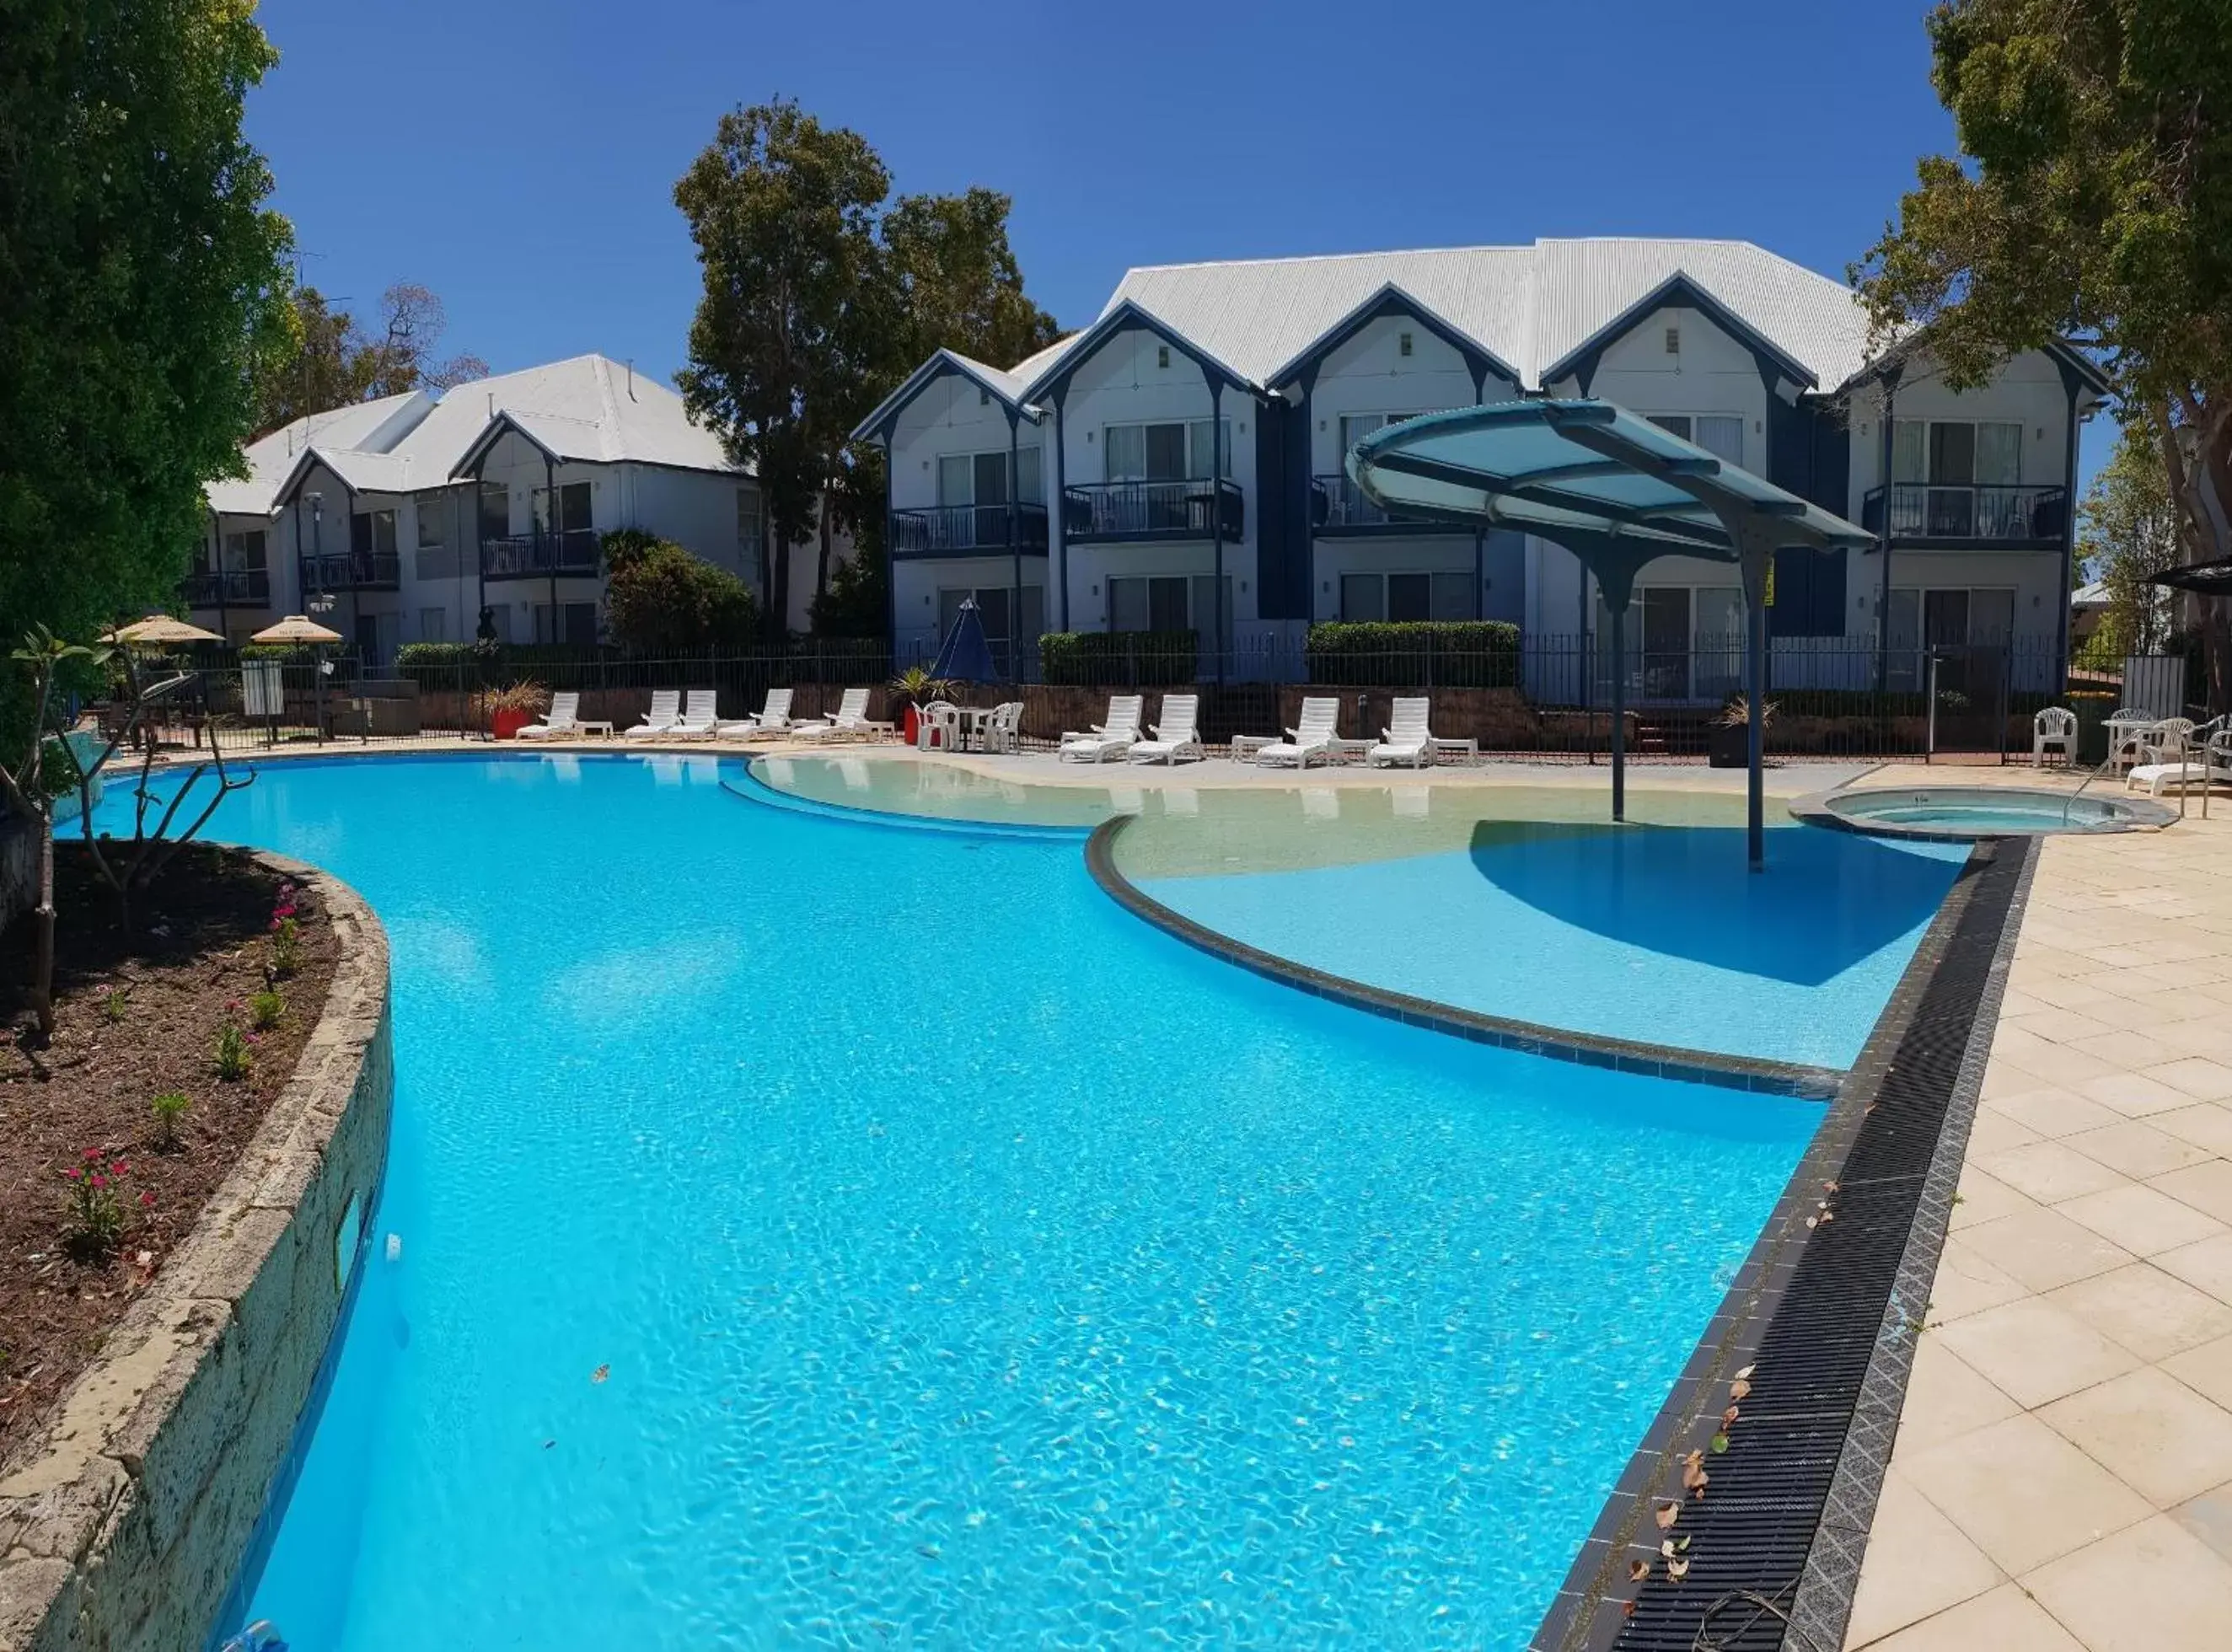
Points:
(1584, 1049)
(1786, 1515)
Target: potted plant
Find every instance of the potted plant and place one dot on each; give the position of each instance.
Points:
(912, 690)
(515, 705)
(1727, 742)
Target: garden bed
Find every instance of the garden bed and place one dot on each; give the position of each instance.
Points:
(138, 1016)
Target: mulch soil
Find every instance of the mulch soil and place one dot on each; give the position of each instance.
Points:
(138, 1015)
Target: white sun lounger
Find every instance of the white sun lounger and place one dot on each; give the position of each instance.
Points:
(1108, 740)
(701, 716)
(562, 718)
(851, 722)
(2162, 753)
(1408, 739)
(1313, 736)
(770, 718)
(666, 711)
(1174, 734)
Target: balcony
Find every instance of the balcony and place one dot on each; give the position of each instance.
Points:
(960, 530)
(573, 553)
(352, 571)
(1153, 510)
(1959, 516)
(1338, 509)
(234, 588)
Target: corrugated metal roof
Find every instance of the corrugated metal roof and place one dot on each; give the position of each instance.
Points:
(587, 408)
(1530, 305)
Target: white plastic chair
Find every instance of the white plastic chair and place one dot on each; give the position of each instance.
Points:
(1175, 736)
(770, 718)
(1003, 730)
(666, 711)
(2056, 727)
(562, 718)
(1313, 735)
(1109, 740)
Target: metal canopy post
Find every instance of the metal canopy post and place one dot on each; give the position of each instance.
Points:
(1015, 555)
(1216, 509)
(1756, 559)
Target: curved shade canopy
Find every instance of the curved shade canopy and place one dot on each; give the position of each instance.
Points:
(1583, 472)
(160, 631)
(296, 628)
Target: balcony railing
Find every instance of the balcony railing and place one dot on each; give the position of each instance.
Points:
(572, 553)
(352, 571)
(1338, 506)
(943, 530)
(234, 588)
(1153, 510)
(1965, 514)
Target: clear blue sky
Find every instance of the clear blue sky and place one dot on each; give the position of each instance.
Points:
(519, 156)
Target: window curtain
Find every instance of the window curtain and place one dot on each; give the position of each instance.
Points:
(1999, 454)
(1910, 450)
(1722, 438)
(1124, 455)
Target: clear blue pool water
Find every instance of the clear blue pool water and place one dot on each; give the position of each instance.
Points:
(1659, 934)
(970, 1265)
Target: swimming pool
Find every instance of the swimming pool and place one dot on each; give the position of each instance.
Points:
(1966, 813)
(817, 1233)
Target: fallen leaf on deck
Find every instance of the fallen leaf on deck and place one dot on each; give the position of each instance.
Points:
(1638, 1571)
(1666, 1514)
(1740, 1390)
(1677, 1570)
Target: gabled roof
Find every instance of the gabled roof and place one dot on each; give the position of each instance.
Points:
(1122, 314)
(1677, 291)
(1006, 386)
(1388, 298)
(587, 408)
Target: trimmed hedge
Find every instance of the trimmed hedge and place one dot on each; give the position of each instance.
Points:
(1419, 653)
(1131, 658)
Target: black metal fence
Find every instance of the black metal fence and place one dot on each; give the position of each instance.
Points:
(1549, 697)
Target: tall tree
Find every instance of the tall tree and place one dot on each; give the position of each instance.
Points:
(2128, 531)
(793, 325)
(141, 279)
(2093, 199)
(328, 361)
(959, 286)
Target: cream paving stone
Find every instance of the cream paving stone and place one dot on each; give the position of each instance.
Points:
(2152, 1432)
(2199, 1077)
(2152, 1313)
(2064, 992)
(2051, 1111)
(1995, 1132)
(2207, 1187)
(1965, 1284)
(2057, 1025)
(1977, 1198)
(2206, 1369)
(2022, 1494)
(2206, 1265)
(2208, 1517)
(2207, 1125)
(2195, 1037)
(2035, 1351)
(2140, 1219)
(2072, 1064)
(2043, 1249)
(1922, 1565)
(2154, 1587)
(1945, 1396)
(2047, 1171)
(2007, 1620)
(2135, 1148)
(2131, 1094)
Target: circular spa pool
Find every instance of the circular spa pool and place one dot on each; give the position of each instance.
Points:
(1961, 812)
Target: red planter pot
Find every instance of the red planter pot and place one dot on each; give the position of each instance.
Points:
(911, 725)
(507, 724)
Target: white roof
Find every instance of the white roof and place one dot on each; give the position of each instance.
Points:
(2095, 595)
(1529, 306)
(588, 408)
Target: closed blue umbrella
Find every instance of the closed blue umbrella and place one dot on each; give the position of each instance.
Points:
(966, 657)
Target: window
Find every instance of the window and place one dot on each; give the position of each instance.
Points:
(572, 513)
(377, 634)
(1402, 343)
(1163, 452)
(434, 625)
(1955, 452)
(1673, 340)
(245, 551)
(577, 623)
(433, 513)
(371, 533)
(1405, 596)
(1162, 355)
(1719, 434)
(749, 528)
(495, 511)
(1169, 602)
(1679, 642)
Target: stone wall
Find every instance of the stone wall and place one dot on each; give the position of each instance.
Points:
(121, 1527)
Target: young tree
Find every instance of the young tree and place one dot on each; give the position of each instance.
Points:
(2093, 200)
(327, 361)
(2128, 531)
(141, 279)
(792, 326)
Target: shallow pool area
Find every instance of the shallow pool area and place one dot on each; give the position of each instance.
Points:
(1968, 813)
(810, 1232)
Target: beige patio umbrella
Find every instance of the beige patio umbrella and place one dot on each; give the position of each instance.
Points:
(160, 631)
(296, 628)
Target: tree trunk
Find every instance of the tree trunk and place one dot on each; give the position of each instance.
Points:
(42, 964)
(821, 568)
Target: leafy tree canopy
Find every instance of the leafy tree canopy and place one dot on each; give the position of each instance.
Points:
(660, 600)
(2127, 530)
(143, 280)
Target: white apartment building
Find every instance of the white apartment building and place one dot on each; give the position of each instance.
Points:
(401, 520)
(1262, 374)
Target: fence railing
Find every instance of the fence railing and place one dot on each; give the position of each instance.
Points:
(2025, 514)
(352, 571)
(1153, 510)
(1338, 504)
(940, 530)
(235, 587)
(518, 556)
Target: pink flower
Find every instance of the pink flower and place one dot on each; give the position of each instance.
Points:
(256, 1038)
(91, 1154)
(76, 1172)
(119, 1168)
(147, 1200)
(99, 1179)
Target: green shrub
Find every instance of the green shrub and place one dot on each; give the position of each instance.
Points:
(1419, 653)
(168, 1109)
(1127, 659)
(266, 1009)
(660, 600)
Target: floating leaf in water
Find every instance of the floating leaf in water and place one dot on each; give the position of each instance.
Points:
(1638, 1571)
(1720, 1444)
(600, 1373)
(1666, 1514)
